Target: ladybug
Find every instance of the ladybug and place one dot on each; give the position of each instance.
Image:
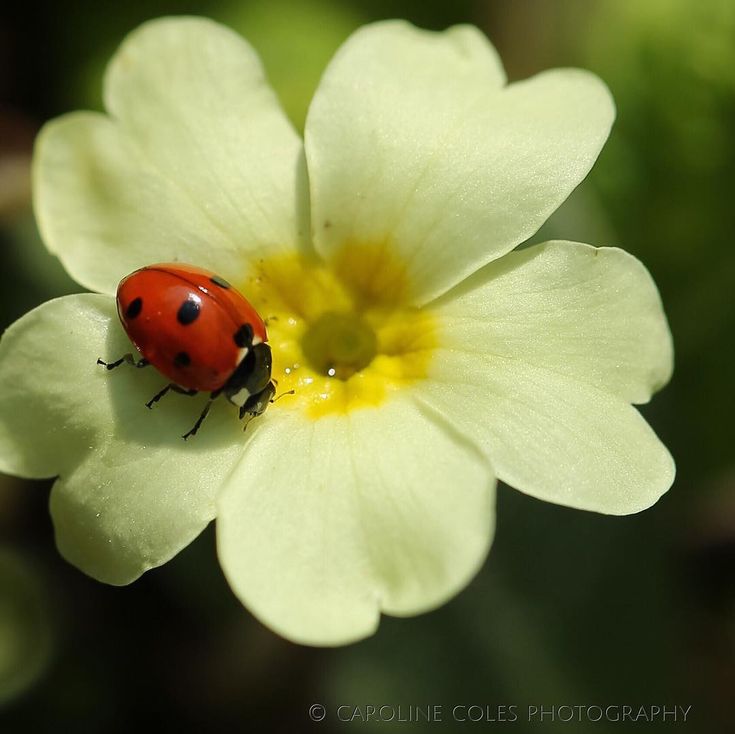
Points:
(198, 332)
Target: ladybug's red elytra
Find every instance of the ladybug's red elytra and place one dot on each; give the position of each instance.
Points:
(200, 333)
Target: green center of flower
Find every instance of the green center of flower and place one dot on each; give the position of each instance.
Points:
(339, 344)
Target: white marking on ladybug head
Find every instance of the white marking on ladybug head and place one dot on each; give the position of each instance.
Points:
(240, 397)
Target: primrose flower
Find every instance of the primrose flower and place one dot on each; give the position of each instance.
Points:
(427, 358)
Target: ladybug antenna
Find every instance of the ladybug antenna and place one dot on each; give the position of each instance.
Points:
(282, 395)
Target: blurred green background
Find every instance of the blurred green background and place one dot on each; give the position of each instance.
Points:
(571, 607)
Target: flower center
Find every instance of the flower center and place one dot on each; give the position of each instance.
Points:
(339, 344)
(343, 336)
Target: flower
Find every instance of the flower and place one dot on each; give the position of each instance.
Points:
(427, 357)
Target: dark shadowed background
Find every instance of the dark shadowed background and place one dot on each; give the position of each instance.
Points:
(571, 608)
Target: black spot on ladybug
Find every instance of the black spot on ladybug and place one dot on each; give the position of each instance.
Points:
(182, 359)
(134, 308)
(221, 282)
(188, 311)
(243, 336)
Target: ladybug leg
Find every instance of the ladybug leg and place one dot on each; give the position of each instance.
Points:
(125, 358)
(183, 390)
(213, 396)
(157, 397)
(170, 386)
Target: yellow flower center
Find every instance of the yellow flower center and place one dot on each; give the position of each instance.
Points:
(344, 335)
